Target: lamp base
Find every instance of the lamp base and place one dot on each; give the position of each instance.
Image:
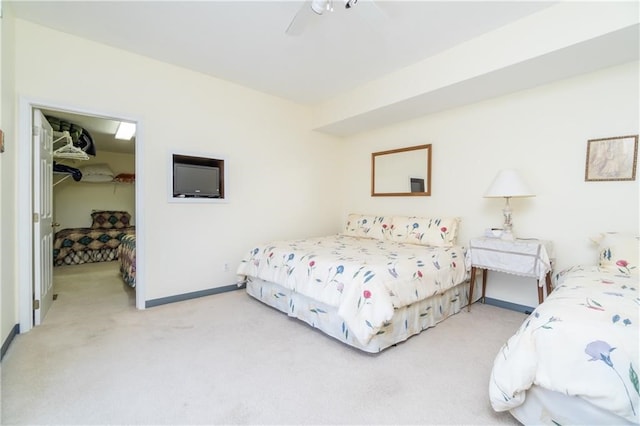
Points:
(507, 217)
(507, 235)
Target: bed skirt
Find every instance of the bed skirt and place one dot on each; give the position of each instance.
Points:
(406, 322)
(546, 407)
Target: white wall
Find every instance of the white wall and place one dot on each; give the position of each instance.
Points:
(282, 176)
(74, 201)
(8, 160)
(286, 181)
(543, 133)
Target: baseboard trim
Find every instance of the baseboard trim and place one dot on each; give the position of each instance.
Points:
(5, 346)
(192, 295)
(508, 305)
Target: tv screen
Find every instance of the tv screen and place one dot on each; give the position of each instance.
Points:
(192, 180)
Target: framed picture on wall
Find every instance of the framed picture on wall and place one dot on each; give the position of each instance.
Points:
(611, 159)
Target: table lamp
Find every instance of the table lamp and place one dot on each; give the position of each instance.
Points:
(508, 184)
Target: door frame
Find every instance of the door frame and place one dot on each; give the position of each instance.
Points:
(25, 203)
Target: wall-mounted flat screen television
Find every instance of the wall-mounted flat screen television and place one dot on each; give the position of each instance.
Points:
(194, 180)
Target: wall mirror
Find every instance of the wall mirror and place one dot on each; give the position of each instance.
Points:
(401, 172)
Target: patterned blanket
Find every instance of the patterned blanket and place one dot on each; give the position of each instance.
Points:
(582, 341)
(127, 256)
(85, 245)
(366, 279)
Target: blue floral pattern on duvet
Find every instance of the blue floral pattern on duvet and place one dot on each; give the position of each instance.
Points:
(601, 351)
(591, 316)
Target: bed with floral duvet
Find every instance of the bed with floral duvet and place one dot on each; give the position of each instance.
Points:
(377, 283)
(575, 359)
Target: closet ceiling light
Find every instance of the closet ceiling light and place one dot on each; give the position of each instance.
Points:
(126, 130)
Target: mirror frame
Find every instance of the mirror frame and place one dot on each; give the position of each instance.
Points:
(427, 185)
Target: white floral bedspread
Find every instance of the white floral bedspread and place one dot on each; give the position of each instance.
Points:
(582, 341)
(364, 278)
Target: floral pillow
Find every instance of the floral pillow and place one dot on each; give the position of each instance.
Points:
(105, 219)
(619, 252)
(366, 226)
(439, 232)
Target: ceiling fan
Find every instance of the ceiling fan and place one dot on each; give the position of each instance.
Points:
(312, 8)
(319, 6)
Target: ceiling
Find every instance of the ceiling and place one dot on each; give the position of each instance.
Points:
(246, 42)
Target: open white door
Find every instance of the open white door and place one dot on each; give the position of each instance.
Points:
(42, 216)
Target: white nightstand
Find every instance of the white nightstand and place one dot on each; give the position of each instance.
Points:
(526, 258)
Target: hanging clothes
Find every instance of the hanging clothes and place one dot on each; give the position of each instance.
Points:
(76, 174)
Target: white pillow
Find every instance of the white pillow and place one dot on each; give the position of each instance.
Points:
(365, 226)
(427, 231)
(96, 173)
(619, 252)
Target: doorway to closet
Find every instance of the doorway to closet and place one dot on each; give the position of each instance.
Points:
(93, 200)
(74, 201)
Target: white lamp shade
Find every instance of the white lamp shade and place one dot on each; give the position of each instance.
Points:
(508, 183)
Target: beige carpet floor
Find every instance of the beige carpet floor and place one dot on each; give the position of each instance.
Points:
(228, 359)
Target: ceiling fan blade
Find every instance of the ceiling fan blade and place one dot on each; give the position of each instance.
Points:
(301, 19)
